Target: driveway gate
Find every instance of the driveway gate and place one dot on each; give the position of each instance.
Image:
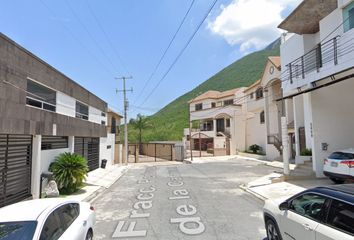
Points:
(15, 168)
(88, 148)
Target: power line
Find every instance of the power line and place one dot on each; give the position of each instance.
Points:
(168, 47)
(89, 33)
(180, 53)
(77, 39)
(116, 52)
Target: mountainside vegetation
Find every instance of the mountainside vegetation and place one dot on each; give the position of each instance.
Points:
(169, 122)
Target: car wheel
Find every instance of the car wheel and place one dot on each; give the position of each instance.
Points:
(272, 230)
(337, 181)
(89, 235)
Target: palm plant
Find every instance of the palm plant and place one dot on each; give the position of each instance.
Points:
(70, 171)
(140, 123)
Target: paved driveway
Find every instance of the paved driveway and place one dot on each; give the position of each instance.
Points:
(185, 201)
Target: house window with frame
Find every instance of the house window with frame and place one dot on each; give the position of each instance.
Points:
(228, 102)
(228, 122)
(262, 117)
(259, 93)
(40, 96)
(113, 127)
(348, 17)
(251, 95)
(199, 106)
(82, 111)
(213, 104)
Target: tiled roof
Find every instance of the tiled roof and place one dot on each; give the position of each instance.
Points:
(211, 94)
(275, 60)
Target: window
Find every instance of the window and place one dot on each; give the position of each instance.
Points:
(40, 96)
(348, 17)
(259, 93)
(341, 156)
(262, 117)
(54, 142)
(113, 127)
(341, 216)
(213, 104)
(81, 111)
(228, 122)
(228, 102)
(17, 230)
(69, 212)
(52, 228)
(251, 95)
(199, 106)
(103, 114)
(103, 122)
(308, 205)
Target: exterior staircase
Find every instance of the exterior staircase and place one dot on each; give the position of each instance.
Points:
(273, 139)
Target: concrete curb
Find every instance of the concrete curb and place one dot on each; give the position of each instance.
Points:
(99, 192)
(259, 196)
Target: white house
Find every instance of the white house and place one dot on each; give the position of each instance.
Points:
(259, 122)
(317, 62)
(213, 115)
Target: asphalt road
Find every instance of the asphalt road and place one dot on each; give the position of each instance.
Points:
(184, 201)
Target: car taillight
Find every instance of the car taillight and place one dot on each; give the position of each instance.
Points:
(349, 163)
(325, 161)
(92, 208)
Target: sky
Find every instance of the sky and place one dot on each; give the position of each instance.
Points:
(93, 42)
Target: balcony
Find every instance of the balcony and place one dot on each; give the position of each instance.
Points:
(328, 58)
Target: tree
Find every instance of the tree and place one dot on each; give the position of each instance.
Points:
(140, 123)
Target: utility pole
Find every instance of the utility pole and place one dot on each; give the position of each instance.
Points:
(125, 115)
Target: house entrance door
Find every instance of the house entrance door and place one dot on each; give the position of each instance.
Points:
(220, 125)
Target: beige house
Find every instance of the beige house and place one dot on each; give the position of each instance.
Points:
(212, 114)
(260, 120)
(113, 123)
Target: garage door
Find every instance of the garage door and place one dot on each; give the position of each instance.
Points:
(89, 149)
(15, 168)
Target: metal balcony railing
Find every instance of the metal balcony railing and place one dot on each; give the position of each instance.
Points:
(329, 52)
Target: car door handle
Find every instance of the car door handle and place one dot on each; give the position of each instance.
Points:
(307, 227)
(84, 223)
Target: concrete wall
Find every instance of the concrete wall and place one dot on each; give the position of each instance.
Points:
(107, 153)
(333, 114)
(163, 151)
(66, 105)
(255, 132)
(48, 156)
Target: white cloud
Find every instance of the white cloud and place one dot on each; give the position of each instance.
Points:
(250, 23)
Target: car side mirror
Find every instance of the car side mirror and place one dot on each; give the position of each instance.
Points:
(284, 206)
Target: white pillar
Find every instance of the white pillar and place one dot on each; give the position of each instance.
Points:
(266, 113)
(36, 165)
(71, 142)
(285, 141)
(214, 127)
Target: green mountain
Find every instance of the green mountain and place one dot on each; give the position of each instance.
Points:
(169, 122)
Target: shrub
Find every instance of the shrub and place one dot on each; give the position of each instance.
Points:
(306, 152)
(255, 148)
(70, 170)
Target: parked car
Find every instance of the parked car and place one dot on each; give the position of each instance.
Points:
(339, 166)
(47, 219)
(322, 213)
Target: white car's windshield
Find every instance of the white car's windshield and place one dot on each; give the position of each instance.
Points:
(17, 230)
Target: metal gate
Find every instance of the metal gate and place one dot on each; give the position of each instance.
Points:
(15, 168)
(89, 149)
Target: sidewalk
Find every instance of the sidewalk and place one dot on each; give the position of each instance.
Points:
(265, 188)
(97, 181)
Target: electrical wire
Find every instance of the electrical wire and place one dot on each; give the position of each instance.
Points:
(168, 47)
(180, 53)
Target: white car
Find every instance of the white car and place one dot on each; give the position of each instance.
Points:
(339, 166)
(47, 219)
(322, 213)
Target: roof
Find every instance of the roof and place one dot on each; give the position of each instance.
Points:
(275, 60)
(306, 17)
(343, 192)
(115, 113)
(28, 210)
(258, 82)
(212, 94)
